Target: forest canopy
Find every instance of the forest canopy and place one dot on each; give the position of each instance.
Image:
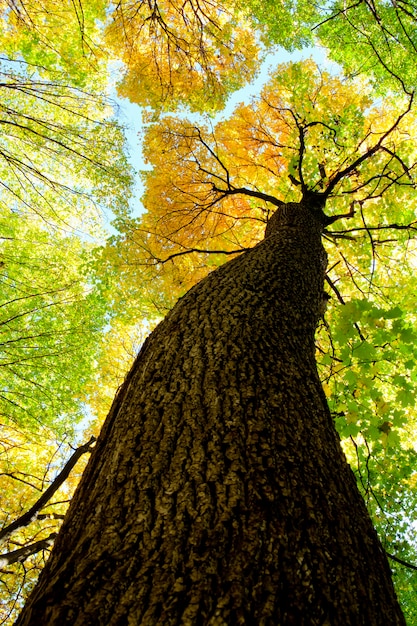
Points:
(77, 299)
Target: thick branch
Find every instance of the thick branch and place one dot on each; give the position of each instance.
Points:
(17, 556)
(249, 192)
(183, 252)
(31, 515)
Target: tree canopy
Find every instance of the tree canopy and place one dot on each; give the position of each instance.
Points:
(377, 39)
(74, 308)
(188, 53)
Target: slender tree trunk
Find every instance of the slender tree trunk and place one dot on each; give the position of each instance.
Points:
(218, 493)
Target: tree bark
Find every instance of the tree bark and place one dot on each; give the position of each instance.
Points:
(218, 493)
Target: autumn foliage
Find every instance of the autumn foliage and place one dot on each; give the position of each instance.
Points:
(178, 52)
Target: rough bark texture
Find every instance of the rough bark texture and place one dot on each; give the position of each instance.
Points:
(218, 493)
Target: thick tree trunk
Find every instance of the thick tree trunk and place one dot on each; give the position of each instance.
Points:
(218, 493)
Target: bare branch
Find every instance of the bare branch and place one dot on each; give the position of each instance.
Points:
(394, 226)
(188, 251)
(248, 192)
(17, 556)
(401, 561)
(31, 515)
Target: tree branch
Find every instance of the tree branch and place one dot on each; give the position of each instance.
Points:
(31, 515)
(249, 192)
(332, 17)
(368, 154)
(17, 556)
(183, 252)
(400, 561)
(341, 233)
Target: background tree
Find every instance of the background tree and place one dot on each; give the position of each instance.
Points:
(175, 53)
(191, 441)
(61, 155)
(61, 159)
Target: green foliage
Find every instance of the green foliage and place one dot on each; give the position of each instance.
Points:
(55, 39)
(375, 38)
(368, 361)
(288, 24)
(63, 168)
(61, 155)
(50, 318)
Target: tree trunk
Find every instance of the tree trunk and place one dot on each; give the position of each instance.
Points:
(218, 493)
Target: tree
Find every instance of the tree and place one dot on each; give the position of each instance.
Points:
(182, 53)
(366, 349)
(367, 37)
(64, 40)
(218, 491)
(62, 169)
(374, 413)
(56, 174)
